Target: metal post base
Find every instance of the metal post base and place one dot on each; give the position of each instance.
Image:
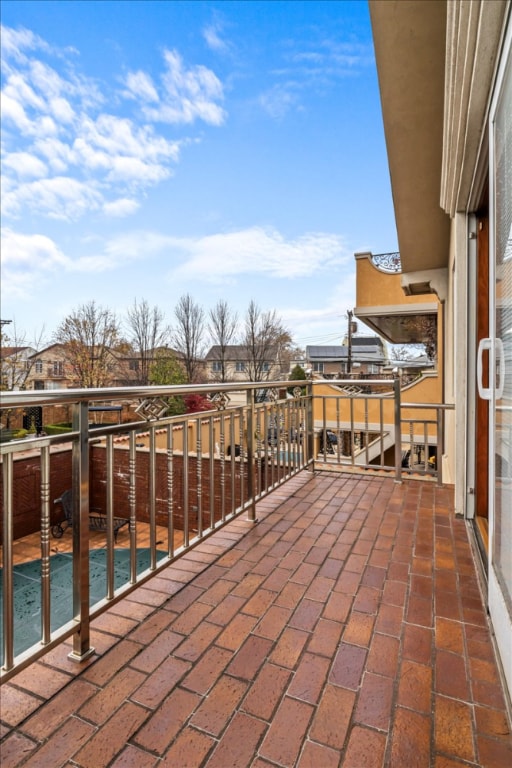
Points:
(78, 658)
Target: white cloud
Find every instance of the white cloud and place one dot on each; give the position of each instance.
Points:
(258, 251)
(63, 157)
(140, 85)
(120, 208)
(26, 260)
(188, 94)
(25, 164)
(60, 197)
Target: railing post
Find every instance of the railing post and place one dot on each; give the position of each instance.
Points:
(309, 427)
(251, 455)
(81, 499)
(440, 445)
(398, 431)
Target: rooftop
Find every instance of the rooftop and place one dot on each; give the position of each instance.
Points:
(345, 628)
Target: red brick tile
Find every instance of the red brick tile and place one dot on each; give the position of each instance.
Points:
(107, 742)
(317, 756)
(16, 705)
(420, 611)
(332, 716)
(415, 686)
(73, 732)
(493, 753)
(309, 678)
(131, 757)
(236, 631)
(325, 638)
(156, 651)
(417, 644)
(54, 712)
(374, 577)
(289, 647)
(188, 751)
(394, 593)
(161, 728)
(306, 615)
(367, 600)
(451, 675)
(359, 629)
(247, 661)
(188, 620)
(226, 610)
(106, 667)
(338, 607)
(273, 622)
(266, 691)
(488, 694)
(348, 582)
(290, 595)
(15, 748)
(238, 744)
(383, 655)
(374, 702)
(449, 635)
(348, 665)
(101, 706)
(196, 643)
(218, 707)
(389, 620)
(365, 747)
(492, 722)
(151, 627)
(283, 741)
(161, 682)
(41, 680)
(410, 739)
(206, 671)
(217, 592)
(453, 728)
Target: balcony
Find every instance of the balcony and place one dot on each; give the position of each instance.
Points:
(317, 611)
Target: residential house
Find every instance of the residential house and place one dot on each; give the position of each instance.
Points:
(445, 78)
(238, 364)
(365, 355)
(15, 366)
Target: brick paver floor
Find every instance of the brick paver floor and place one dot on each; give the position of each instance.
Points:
(345, 629)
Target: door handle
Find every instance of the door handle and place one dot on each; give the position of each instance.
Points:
(484, 392)
(500, 368)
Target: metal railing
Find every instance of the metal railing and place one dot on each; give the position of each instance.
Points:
(181, 477)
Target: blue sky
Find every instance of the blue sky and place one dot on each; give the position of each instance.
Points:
(230, 150)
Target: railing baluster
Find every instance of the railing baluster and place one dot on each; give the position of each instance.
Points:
(132, 496)
(45, 546)
(110, 518)
(7, 563)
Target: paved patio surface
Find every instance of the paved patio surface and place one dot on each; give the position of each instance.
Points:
(345, 629)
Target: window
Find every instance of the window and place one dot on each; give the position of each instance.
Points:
(318, 367)
(240, 367)
(134, 365)
(38, 366)
(265, 367)
(58, 368)
(217, 366)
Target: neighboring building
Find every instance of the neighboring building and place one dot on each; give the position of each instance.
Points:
(366, 355)
(239, 365)
(50, 369)
(445, 77)
(15, 367)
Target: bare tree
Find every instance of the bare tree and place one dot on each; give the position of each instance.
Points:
(187, 336)
(88, 335)
(265, 338)
(18, 357)
(146, 333)
(222, 327)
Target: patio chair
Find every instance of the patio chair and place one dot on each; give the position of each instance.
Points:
(97, 521)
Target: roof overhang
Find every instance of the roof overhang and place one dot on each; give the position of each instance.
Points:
(410, 50)
(402, 324)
